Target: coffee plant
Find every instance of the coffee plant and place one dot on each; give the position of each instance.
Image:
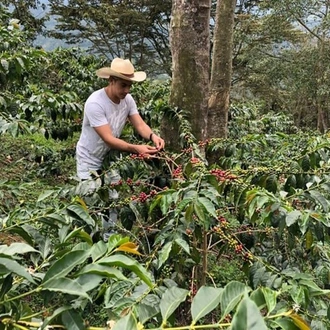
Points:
(176, 212)
(239, 244)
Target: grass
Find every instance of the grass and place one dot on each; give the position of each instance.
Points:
(31, 164)
(24, 158)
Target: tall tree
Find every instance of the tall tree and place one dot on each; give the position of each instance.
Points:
(25, 12)
(288, 71)
(190, 47)
(318, 32)
(137, 30)
(221, 73)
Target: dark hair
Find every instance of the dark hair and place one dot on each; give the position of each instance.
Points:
(113, 78)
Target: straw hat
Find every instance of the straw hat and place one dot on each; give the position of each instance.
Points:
(123, 69)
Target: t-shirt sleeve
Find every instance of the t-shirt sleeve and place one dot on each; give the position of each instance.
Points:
(131, 105)
(95, 114)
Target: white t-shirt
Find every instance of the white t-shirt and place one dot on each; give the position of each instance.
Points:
(99, 110)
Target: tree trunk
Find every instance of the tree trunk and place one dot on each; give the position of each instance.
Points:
(221, 72)
(321, 96)
(190, 47)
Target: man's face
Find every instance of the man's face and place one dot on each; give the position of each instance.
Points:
(122, 87)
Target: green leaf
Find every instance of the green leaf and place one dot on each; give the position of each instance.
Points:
(164, 254)
(200, 211)
(57, 218)
(319, 198)
(309, 239)
(155, 203)
(248, 317)
(166, 199)
(89, 281)
(205, 301)
(258, 297)
(13, 129)
(114, 292)
(271, 183)
(16, 248)
(6, 286)
(72, 320)
(181, 242)
(187, 169)
(64, 265)
(56, 313)
(319, 227)
(146, 312)
(123, 305)
(291, 182)
(45, 247)
(3, 102)
(319, 325)
(258, 274)
(13, 266)
(103, 270)
(211, 193)
(171, 300)
(241, 198)
(270, 298)
(292, 217)
(189, 212)
(19, 64)
(298, 294)
(182, 205)
(45, 194)
(4, 64)
(230, 297)
(128, 263)
(115, 241)
(82, 246)
(98, 250)
(22, 233)
(305, 163)
(128, 323)
(148, 308)
(80, 233)
(64, 285)
(82, 214)
(208, 205)
(48, 221)
(314, 289)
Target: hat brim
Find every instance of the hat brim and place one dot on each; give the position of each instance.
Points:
(107, 72)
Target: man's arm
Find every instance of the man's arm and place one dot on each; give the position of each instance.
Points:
(105, 133)
(145, 131)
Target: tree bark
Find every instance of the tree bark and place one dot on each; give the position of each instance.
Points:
(321, 97)
(190, 48)
(221, 73)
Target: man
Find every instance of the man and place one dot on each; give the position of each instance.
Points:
(105, 114)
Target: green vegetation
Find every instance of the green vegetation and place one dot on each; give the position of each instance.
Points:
(251, 232)
(241, 244)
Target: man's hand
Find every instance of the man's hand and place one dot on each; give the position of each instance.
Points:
(158, 142)
(142, 149)
(144, 130)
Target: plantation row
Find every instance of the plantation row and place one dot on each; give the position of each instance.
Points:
(188, 232)
(240, 244)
